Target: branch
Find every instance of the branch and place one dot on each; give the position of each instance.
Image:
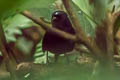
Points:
(49, 28)
(63, 34)
(110, 37)
(5, 52)
(116, 16)
(58, 4)
(3, 42)
(80, 34)
(116, 27)
(111, 21)
(87, 41)
(81, 49)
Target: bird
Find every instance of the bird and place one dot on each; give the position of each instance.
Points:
(57, 44)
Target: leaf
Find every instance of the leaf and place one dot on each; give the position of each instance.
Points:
(96, 11)
(24, 45)
(117, 4)
(87, 24)
(12, 26)
(10, 7)
(84, 6)
(43, 12)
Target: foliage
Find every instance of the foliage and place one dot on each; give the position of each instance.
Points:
(89, 15)
(8, 8)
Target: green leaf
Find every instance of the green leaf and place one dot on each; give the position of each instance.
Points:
(96, 11)
(13, 24)
(84, 6)
(117, 5)
(24, 45)
(43, 12)
(87, 23)
(10, 7)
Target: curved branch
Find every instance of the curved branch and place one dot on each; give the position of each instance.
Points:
(49, 28)
(88, 42)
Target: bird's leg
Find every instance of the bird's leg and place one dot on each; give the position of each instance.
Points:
(47, 59)
(56, 57)
(67, 58)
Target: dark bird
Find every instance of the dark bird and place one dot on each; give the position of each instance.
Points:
(54, 43)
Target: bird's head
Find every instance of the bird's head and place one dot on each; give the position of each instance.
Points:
(59, 16)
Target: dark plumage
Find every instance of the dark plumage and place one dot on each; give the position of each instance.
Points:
(55, 43)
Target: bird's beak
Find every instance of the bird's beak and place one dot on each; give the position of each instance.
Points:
(54, 18)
